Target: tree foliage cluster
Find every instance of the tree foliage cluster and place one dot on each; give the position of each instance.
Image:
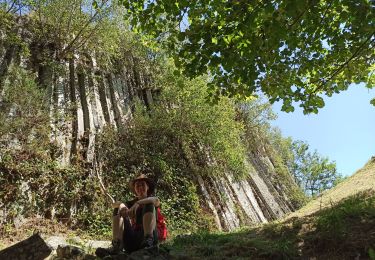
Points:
(290, 50)
(70, 26)
(178, 138)
(313, 172)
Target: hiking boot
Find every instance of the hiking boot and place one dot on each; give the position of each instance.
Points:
(148, 242)
(114, 249)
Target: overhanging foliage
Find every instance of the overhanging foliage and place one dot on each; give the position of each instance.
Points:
(291, 50)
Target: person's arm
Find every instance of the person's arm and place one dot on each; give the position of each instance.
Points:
(123, 210)
(148, 200)
(154, 200)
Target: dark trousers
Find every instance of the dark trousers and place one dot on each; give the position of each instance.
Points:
(133, 234)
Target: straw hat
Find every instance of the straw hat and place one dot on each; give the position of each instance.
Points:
(143, 177)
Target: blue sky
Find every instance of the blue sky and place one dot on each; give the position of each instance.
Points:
(344, 130)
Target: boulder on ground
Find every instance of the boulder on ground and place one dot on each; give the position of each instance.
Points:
(34, 248)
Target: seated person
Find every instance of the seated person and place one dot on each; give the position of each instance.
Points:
(134, 223)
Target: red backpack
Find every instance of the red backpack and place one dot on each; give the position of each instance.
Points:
(161, 226)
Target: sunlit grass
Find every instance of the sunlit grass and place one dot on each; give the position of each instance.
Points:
(345, 230)
(362, 180)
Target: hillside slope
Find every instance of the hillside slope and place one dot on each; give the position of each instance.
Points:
(362, 180)
(340, 224)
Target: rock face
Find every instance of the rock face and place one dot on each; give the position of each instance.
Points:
(95, 96)
(252, 200)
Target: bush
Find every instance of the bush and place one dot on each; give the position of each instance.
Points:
(176, 139)
(32, 181)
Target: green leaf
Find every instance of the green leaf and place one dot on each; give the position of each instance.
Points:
(176, 73)
(371, 253)
(95, 4)
(290, 38)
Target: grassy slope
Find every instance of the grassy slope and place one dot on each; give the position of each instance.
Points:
(363, 179)
(340, 224)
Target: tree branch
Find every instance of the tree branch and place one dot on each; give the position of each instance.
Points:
(85, 39)
(321, 20)
(11, 7)
(82, 29)
(354, 55)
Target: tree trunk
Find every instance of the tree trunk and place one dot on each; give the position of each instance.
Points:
(33, 248)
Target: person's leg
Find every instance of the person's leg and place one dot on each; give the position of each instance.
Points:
(118, 224)
(117, 235)
(130, 237)
(149, 225)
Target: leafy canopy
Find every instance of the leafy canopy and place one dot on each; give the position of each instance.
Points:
(291, 50)
(313, 172)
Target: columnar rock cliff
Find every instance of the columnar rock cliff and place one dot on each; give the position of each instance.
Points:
(84, 97)
(255, 199)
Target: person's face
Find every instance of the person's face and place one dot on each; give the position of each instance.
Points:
(141, 188)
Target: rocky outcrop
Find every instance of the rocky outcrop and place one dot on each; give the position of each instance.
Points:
(252, 199)
(94, 96)
(33, 247)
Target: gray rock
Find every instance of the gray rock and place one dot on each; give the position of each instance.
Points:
(55, 241)
(76, 241)
(33, 247)
(70, 252)
(97, 243)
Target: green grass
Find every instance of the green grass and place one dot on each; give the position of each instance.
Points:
(362, 180)
(340, 224)
(343, 231)
(239, 244)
